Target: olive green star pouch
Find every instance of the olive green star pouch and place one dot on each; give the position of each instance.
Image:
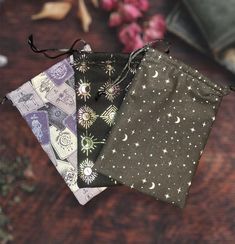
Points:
(161, 128)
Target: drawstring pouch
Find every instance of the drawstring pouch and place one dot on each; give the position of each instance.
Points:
(98, 100)
(47, 102)
(161, 128)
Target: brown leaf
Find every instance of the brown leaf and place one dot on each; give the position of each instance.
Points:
(84, 15)
(53, 10)
(95, 3)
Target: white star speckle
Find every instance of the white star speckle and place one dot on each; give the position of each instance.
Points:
(167, 196)
(179, 190)
(114, 151)
(192, 129)
(169, 115)
(189, 88)
(144, 87)
(144, 180)
(137, 144)
(167, 81)
(164, 150)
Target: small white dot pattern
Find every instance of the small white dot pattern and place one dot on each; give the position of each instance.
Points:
(161, 129)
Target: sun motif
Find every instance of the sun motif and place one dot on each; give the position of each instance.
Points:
(109, 115)
(83, 90)
(81, 64)
(86, 116)
(88, 143)
(108, 67)
(110, 90)
(85, 171)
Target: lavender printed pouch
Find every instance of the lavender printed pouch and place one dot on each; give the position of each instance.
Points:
(48, 104)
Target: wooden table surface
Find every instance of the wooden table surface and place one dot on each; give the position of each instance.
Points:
(118, 215)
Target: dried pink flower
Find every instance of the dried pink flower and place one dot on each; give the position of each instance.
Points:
(130, 37)
(155, 29)
(109, 5)
(115, 19)
(129, 12)
(142, 5)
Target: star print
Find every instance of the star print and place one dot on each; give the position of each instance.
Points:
(213, 118)
(189, 88)
(114, 151)
(192, 129)
(144, 180)
(133, 92)
(194, 99)
(167, 81)
(204, 124)
(189, 183)
(132, 186)
(144, 87)
(137, 144)
(169, 176)
(158, 120)
(164, 150)
(179, 190)
(169, 115)
(102, 157)
(167, 196)
(133, 132)
(164, 68)
(170, 163)
(129, 120)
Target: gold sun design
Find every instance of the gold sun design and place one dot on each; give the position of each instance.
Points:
(86, 116)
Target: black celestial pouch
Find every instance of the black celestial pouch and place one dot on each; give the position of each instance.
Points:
(97, 103)
(161, 128)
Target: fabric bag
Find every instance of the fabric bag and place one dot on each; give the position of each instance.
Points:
(161, 128)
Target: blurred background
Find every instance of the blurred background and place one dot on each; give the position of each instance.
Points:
(35, 204)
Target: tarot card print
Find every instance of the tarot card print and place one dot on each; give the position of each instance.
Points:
(50, 152)
(25, 98)
(71, 123)
(63, 141)
(84, 195)
(42, 84)
(56, 116)
(63, 97)
(60, 72)
(38, 122)
(71, 81)
(69, 174)
(73, 159)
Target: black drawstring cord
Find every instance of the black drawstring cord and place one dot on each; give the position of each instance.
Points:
(232, 88)
(3, 100)
(44, 51)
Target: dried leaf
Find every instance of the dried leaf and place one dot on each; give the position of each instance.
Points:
(95, 3)
(84, 15)
(53, 10)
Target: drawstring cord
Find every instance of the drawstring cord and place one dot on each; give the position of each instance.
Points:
(63, 50)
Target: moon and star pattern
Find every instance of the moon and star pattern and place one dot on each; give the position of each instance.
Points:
(98, 100)
(161, 128)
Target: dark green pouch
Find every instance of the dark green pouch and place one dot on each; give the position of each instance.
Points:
(161, 128)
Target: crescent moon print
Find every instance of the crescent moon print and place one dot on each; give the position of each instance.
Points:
(155, 75)
(125, 137)
(84, 89)
(178, 120)
(152, 187)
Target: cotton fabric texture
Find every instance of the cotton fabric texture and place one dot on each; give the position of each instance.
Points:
(161, 128)
(97, 104)
(48, 104)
